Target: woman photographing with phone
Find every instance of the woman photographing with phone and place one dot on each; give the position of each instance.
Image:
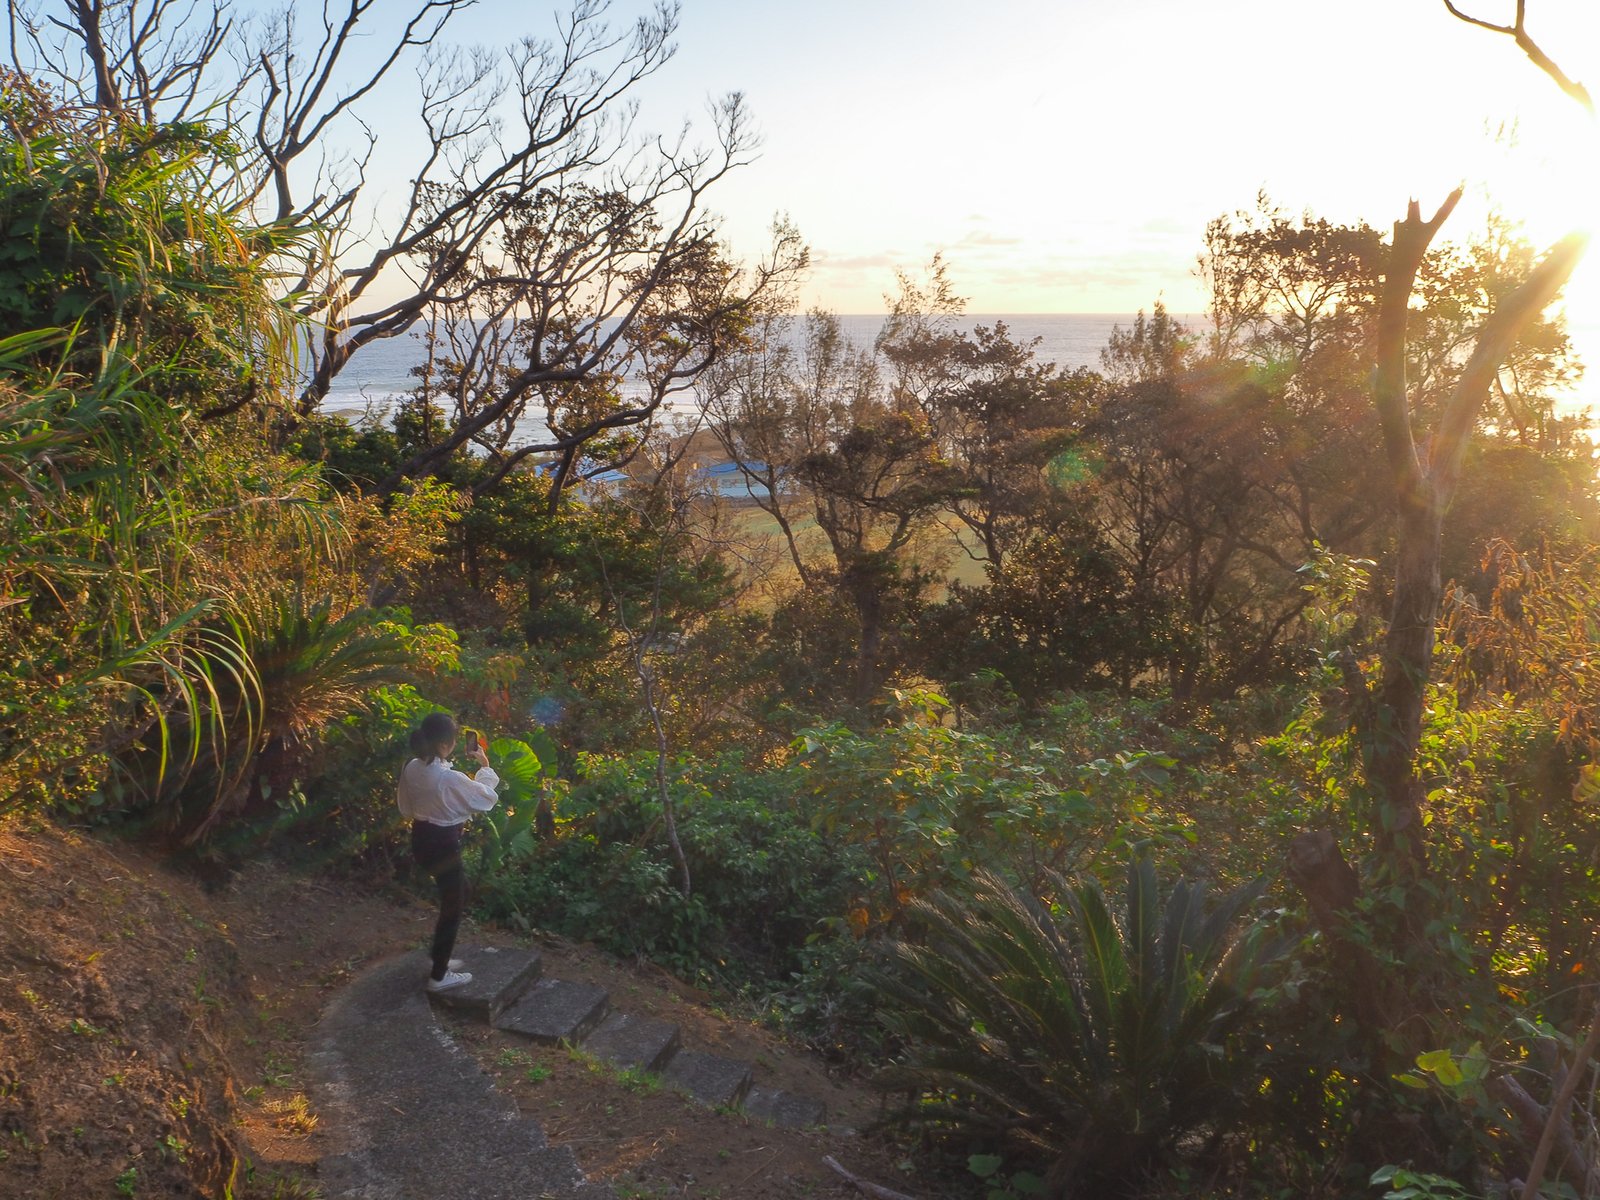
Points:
(438, 800)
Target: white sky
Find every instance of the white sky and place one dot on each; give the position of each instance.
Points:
(1066, 154)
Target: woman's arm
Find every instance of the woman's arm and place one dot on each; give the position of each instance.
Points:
(473, 793)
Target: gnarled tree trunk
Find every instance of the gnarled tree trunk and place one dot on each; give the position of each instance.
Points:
(1388, 716)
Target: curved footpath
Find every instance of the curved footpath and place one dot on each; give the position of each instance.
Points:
(413, 1117)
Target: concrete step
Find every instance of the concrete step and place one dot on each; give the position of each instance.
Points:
(507, 990)
(634, 1043)
(784, 1109)
(556, 1010)
(709, 1078)
(500, 975)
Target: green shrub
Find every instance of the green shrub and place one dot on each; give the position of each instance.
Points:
(764, 879)
(1091, 1041)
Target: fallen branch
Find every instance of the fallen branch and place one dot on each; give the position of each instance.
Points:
(1556, 1122)
(864, 1185)
(766, 1166)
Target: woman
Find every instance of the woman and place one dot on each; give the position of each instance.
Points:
(438, 799)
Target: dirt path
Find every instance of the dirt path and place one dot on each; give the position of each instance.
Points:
(154, 1040)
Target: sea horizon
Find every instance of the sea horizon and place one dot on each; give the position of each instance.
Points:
(382, 371)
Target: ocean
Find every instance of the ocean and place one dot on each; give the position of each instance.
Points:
(383, 370)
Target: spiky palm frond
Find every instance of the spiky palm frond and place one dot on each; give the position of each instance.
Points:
(109, 634)
(1086, 1035)
(145, 302)
(313, 666)
(308, 667)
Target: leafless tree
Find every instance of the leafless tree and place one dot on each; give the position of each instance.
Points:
(670, 497)
(1425, 474)
(575, 249)
(1425, 478)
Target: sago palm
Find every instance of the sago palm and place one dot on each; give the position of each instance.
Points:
(308, 668)
(1092, 1040)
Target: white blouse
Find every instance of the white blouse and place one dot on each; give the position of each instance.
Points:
(439, 794)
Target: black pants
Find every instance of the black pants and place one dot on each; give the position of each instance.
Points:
(437, 850)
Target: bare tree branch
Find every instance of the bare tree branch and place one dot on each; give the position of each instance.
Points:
(1518, 31)
(864, 1186)
(1556, 1122)
(1499, 333)
(534, 214)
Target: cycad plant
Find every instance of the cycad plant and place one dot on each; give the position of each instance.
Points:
(309, 666)
(1094, 1041)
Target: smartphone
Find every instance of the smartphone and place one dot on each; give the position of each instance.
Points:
(476, 735)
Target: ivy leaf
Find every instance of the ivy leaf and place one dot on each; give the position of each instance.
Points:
(984, 1165)
(1441, 1064)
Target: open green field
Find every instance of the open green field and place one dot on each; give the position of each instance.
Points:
(758, 531)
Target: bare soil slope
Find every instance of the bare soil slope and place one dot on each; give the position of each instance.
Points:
(152, 1038)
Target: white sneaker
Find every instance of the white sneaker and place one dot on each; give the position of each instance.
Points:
(452, 979)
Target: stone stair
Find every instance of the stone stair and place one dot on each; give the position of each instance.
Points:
(509, 991)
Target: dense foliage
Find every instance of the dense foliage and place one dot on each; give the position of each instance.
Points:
(865, 747)
(1097, 1039)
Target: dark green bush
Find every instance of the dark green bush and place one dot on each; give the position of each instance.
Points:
(764, 880)
(1051, 1026)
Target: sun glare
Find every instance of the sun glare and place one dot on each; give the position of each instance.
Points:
(1554, 188)
(1544, 177)
(1581, 301)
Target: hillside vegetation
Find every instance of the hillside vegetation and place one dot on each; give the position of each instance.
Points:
(1225, 825)
(157, 1035)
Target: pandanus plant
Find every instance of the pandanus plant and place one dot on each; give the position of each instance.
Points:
(138, 309)
(1091, 1040)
